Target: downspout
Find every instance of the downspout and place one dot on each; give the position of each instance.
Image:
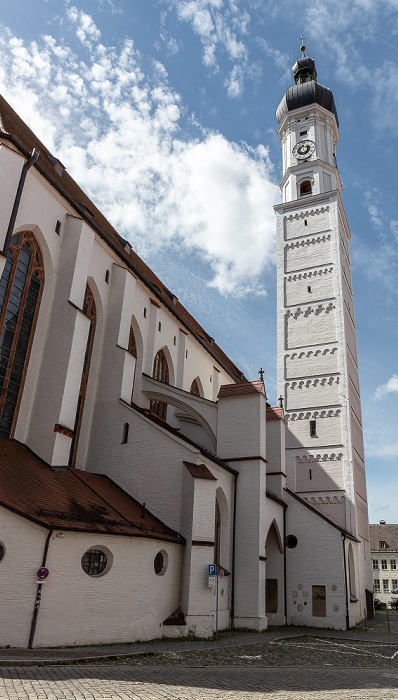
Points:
(347, 613)
(233, 558)
(38, 594)
(284, 566)
(31, 161)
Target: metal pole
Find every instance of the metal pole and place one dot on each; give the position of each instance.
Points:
(388, 620)
(366, 621)
(217, 569)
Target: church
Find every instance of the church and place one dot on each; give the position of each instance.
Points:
(147, 487)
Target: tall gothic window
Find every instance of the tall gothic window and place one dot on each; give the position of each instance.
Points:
(161, 373)
(132, 347)
(21, 287)
(195, 388)
(89, 310)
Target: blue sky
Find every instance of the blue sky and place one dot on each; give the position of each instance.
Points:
(164, 112)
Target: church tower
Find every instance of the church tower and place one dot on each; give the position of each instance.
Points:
(317, 355)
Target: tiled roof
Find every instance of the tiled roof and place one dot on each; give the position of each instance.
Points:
(199, 471)
(72, 499)
(242, 388)
(14, 129)
(274, 413)
(384, 533)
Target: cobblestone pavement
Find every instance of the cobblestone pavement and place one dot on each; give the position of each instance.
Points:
(117, 682)
(282, 664)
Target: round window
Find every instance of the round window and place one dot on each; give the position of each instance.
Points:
(160, 563)
(94, 562)
(2, 551)
(291, 541)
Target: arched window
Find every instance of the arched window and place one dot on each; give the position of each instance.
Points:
(89, 310)
(217, 534)
(305, 188)
(194, 388)
(21, 287)
(132, 347)
(161, 373)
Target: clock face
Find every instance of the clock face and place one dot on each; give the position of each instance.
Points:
(304, 149)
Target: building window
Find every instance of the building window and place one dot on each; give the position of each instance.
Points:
(132, 347)
(144, 311)
(384, 564)
(21, 287)
(90, 311)
(161, 374)
(312, 428)
(305, 188)
(394, 585)
(393, 563)
(94, 562)
(2, 551)
(194, 388)
(386, 586)
(376, 585)
(160, 563)
(382, 545)
(160, 326)
(125, 434)
(58, 227)
(375, 563)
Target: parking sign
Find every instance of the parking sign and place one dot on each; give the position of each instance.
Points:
(212, 569)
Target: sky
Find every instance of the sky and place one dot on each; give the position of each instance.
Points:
(164, 112)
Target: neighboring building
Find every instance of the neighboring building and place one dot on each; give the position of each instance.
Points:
(384, 547)
(134, 453)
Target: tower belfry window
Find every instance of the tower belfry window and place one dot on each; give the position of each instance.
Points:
(305, 188)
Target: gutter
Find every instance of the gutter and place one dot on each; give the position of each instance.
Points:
(31, 161)
(233, 556)
(347, 613)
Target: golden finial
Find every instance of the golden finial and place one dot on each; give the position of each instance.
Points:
(302, 47)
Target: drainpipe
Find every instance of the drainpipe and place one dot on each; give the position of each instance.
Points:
(33, 158)
(284, 566)
(233, 558)
(38, 594)
(347, 613)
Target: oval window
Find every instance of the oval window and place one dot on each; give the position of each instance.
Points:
(160, 563)
(2, 551)
(291, 541)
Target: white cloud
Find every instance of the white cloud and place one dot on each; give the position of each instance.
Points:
(221, 27)
(388, 388)
(119, 132)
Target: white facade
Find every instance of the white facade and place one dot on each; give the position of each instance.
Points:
(384, 546)
(121, 381)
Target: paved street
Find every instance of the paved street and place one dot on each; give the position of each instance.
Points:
(116, 682)
(282, 664)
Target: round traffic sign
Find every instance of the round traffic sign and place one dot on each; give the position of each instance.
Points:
(221, 574)
(42, 573)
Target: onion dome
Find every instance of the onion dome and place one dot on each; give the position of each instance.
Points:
(306, 91)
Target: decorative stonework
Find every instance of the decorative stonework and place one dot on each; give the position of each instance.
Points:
(324, 501)
(309, 275)
(308, 212)
(313, 415)
(318, 381)
(307, 311)
(309, 241)
(311, 459)
(312, 353)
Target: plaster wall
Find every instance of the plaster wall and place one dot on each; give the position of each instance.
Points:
(312, 361)
(312, 393)
(307, 287)
(314, 325)
(308, 252)
(328, 430)
(320, 476)
(317, 219)
(316, 561)
(241, 426)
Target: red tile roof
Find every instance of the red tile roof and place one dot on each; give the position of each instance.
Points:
(386, 532)
(72, 499)
(199, 471)
(242, 388)
(12, 128)
(274, 413)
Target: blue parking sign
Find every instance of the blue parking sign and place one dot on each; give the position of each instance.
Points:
(212, 569)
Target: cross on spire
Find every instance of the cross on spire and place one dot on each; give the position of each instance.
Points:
(261, 373)
(302, 47)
